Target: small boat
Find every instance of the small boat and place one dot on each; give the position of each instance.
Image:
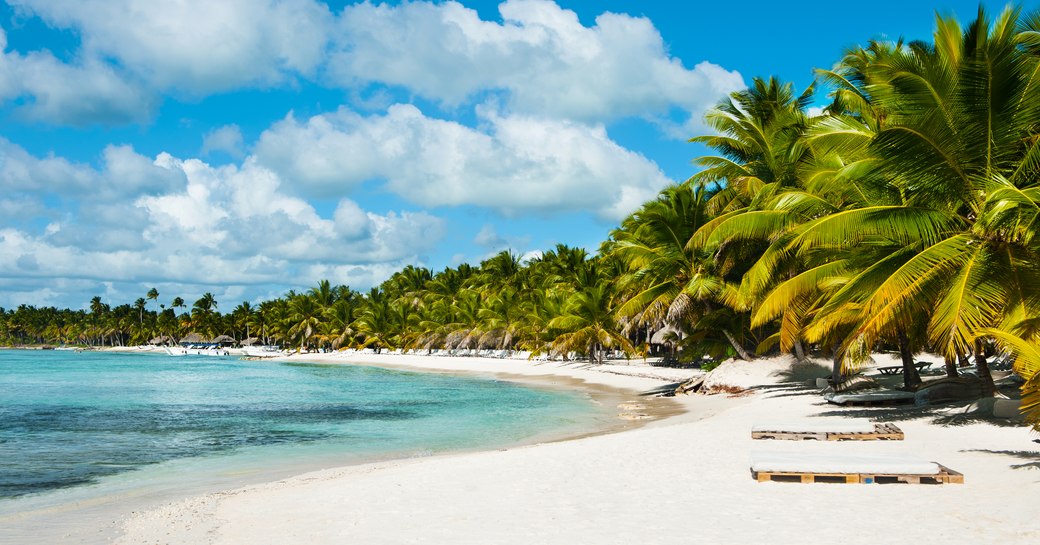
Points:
(265, 351)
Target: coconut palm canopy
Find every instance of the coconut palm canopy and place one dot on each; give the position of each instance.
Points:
(902, 217)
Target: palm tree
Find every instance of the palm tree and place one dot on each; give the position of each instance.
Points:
(241, 318)
(463, 328)
(339, 319)
(323, 294)
(98, 311)
(374, 321)
(139, 304)
(588, 325)
(958, 145)
(668, 281)
(500, 270)
(408, 285)
(501, 318)
(305, 316)
(202, 312)
(758, 132)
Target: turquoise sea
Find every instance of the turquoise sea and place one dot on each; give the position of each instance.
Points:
(86, 435)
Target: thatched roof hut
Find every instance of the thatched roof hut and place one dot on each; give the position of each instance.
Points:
(162, 339)
(192, 338)
(250, 341)
(224, 340)
(666, 335)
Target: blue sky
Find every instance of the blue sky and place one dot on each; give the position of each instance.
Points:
(248, 147)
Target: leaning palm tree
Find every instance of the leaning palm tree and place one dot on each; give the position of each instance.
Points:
(935, 159)
(959, 143)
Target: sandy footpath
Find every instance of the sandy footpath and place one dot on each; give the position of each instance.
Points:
(679, 480)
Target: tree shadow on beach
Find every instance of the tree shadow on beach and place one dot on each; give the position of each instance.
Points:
(946, 415)
(968, 418)
(880, 414)
(1032, 456)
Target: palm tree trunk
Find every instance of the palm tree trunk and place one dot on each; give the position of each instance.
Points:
(962, 358)
(982, 369)
(910, 376)
(951, 367)
(799, 350)
(737, 346)
(836, 374)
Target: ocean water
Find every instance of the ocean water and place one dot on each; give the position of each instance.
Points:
(90, 429)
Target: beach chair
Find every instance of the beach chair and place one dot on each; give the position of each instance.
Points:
(921, 366)
(834, 429)
(864, 469)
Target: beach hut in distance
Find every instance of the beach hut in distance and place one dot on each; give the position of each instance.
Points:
(665, 341)
(224, 340)
(162, 340)
(250, 341)
(192, 338)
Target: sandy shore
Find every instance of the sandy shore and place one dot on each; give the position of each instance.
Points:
(684, 479)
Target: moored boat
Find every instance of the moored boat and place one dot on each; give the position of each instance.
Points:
(265, 351)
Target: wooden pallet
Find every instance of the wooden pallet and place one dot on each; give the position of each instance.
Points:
(882, 432)
(945, 476)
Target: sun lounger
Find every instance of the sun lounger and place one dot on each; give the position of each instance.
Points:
(869, 399)
(898, 369)
(865, 469)
(843, 429)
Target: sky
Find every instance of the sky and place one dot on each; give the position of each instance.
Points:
(250, 147)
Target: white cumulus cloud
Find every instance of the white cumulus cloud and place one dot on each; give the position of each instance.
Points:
(227, 139)
(184, 222)
(540, 57)
(512, 164)
(83, 92)
(198, 46)
(124, 172)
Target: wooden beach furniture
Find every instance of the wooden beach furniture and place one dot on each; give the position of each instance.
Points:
(863, 469)
(877, 398)
(843, 429)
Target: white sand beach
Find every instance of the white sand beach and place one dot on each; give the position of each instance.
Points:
(683, 479)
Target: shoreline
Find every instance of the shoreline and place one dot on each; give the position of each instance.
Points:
(684, 478)
(639, 412)
(616, 380)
